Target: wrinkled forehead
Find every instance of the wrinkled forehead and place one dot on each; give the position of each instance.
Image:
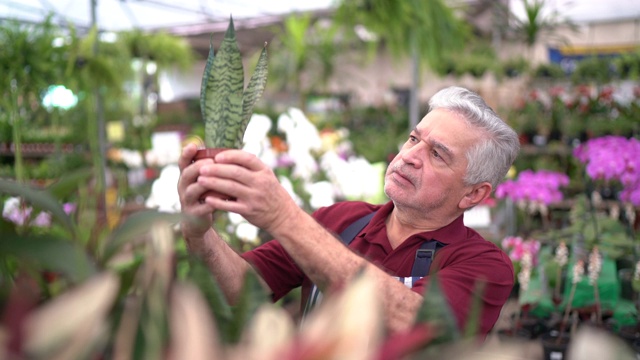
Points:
(448, 129)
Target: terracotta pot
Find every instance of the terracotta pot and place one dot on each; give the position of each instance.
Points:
(210, 153)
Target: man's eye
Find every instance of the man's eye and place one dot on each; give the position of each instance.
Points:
(413, 138)
(436, 154)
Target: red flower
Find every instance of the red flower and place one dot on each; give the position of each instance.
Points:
(556, 91)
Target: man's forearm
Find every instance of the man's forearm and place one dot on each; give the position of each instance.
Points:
(329, 264)
(224, 263)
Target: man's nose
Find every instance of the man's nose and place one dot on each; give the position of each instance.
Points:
(415, 155)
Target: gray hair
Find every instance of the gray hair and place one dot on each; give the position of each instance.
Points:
(490, 159)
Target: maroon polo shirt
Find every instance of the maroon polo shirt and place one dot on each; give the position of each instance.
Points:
(466, 259)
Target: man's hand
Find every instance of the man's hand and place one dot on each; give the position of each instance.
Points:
(258, 195)
(190, 191)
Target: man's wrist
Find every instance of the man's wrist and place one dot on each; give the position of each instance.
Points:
(199, 246)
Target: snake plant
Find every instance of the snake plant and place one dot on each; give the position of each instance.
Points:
(225, 104)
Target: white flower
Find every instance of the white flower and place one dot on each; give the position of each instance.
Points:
(131, 158)
(355, 178)
(578, 271)
(257, 129)
(322, 194)
(525, 271)
(247, 232)
(166, 148)
(236, 219)
(562, 254)
(256, 140)
(302, 139)
(595, 265)
(288, 186)
(10, 205)
(163, 195)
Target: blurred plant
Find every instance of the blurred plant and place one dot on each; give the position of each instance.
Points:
(575, 114)
(479, 59)
(576, 276)
(628, 65)
(20, 214)
(594, 267)
(561, 258)
(139, 295)
(428, 32)
(30, 63)
(515, 66)
(305, 49)
(636, 280)
(539, 21)
(548, 71)
(594, 69)
(151, 53)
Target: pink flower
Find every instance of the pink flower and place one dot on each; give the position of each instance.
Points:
(541, 186)
(613, 158)
(69, 208)
(516, 247)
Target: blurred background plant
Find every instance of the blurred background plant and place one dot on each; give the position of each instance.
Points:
(87, 237)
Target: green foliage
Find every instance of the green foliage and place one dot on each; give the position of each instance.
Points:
(139, 251)
(429, 27)
(47, 253)
(226, 108)
(479, 58)
(385, 128)
(593, 69)
(628, 65)
(135, 226)
(199, 274)
(442, 319)
(539, 21)
(163, 49)
(548, 71)
(29, 63)
(304, 46)
(592, 227)
(515, 66)
(251, 297)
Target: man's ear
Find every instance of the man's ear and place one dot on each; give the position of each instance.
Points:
(475, 196)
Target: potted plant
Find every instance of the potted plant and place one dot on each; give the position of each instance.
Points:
(556, 342)
(225, 104)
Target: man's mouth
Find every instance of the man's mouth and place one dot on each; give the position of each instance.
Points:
(400, 177)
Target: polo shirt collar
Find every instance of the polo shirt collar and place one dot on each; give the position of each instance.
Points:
(451, 233)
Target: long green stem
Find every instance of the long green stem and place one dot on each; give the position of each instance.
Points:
(598, 307)
(567, 311)
(16, 121)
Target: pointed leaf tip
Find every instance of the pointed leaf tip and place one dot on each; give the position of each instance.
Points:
(231, 31)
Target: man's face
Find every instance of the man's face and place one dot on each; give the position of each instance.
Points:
(428, 172)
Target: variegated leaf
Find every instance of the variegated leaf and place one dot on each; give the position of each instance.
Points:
(205, 79)
(223, 96)
(254, 90)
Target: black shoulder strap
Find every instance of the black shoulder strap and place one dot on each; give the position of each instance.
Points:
(424, 257)
(348, 234)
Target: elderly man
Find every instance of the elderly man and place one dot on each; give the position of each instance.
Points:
(450, 163)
